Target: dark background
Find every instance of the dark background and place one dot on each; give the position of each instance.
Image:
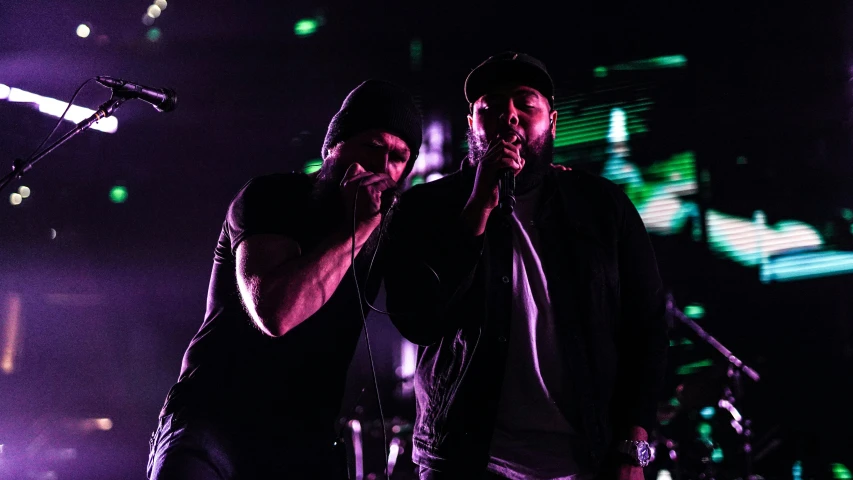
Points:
(109, 305)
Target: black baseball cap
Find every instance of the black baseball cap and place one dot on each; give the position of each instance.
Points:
(509, 67)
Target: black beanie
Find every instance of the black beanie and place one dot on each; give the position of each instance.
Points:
(377, 104)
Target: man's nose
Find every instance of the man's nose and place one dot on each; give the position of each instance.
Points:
(510, 116)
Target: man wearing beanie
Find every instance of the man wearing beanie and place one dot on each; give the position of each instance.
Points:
(542, 325)
(262, 381)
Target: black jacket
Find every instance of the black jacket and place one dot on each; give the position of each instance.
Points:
(451, 294)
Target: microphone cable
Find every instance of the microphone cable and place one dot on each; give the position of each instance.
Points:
(61, 117)
(364, 323)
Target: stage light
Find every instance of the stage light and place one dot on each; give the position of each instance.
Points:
(717, 455)
(83, 30)
(52, 234)
(4, 91)
(118, 194)
(15, 198)
(104, 424)
(707, 413)
(840, 472)
(161, 4)
(704, 429)
(11, 333)
(312, 166)
(434, 176)
(24, 191)
(154, 11)
(53, 107)
(694, 311)
(797, 470)
(154, 34)
(305, 27)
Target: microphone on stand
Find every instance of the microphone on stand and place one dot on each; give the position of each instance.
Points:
(163, 99)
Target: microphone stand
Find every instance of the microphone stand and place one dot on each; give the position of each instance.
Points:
(20, 167)
(734, 389)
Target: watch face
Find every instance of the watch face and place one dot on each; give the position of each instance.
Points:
(644, 453)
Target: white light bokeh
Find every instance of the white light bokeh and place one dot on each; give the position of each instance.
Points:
(83, 30)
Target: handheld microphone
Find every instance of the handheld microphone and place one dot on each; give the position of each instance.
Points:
(506, 189)
(388, 200)
(163, 99)
(506, 186)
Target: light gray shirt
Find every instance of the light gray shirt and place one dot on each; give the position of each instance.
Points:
(532, 438)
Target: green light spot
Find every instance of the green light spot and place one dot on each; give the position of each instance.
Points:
(847, 214)
(416, 54)
(840, 472)
(674, 402)
(305, 27)
(694, 311)
(417, 180)
(600, 72)
(694, 367)
(666, 61)
(154, 34)
(118, 194)
(707, 413)
(717, 455)
(312, 166)
(704, 430)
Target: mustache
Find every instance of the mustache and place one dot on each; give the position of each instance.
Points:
(508, 131)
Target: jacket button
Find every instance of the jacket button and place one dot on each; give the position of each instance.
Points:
(505, 279)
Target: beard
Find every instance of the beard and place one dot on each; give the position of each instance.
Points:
(538, 154)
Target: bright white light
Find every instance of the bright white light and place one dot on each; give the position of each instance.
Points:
(52, 234)
(393, 452)
(55, 108)
(12, 330)
(4, 91)
(618, 126)
(24, 191)
(433, 176)
(154, 11)
(15, 198)
(83, 30)
(22, 96)
(408, 358)
(104, 424)
(161, 4)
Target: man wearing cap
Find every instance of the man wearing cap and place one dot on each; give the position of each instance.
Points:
(541, 326)
(262, 381)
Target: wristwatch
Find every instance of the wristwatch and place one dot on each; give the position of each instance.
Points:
(637, 453)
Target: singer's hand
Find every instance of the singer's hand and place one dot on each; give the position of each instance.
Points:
(501, 156)
(370, 187)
